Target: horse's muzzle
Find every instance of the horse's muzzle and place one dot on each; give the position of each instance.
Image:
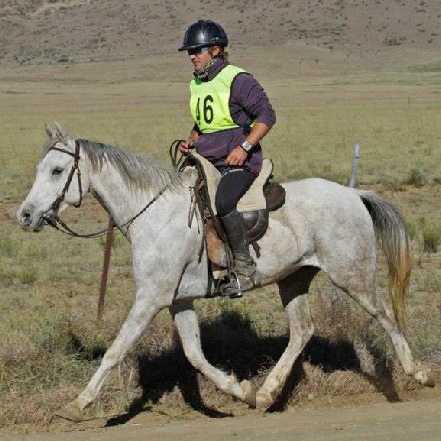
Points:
(30, 219)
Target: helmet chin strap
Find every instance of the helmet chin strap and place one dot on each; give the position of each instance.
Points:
(202, 73)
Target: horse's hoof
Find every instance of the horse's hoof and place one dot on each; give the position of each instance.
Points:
(425, 377)
(249, 393)
(71, 412)
(263, 401)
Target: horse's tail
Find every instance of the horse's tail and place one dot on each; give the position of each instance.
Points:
(390, 228)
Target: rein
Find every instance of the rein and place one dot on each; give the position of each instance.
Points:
(58, 224)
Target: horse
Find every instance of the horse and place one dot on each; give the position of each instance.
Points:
(322, 226)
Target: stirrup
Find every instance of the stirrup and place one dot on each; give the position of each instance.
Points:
(232, 287)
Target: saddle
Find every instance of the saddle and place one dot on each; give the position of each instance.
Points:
(262, 197)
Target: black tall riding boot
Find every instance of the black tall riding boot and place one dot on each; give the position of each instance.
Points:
(244, 266)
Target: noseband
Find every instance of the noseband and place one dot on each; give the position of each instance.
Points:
(75, 168)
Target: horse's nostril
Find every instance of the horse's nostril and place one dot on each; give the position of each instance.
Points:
(25, 216)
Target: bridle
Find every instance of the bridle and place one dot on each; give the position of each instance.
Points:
(75, 168)
(54, 221)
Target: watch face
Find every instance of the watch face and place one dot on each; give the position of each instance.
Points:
(247, 146)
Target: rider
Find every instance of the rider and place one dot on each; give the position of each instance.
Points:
(232, 114)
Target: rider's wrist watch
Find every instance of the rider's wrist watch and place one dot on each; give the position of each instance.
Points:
(247, 146)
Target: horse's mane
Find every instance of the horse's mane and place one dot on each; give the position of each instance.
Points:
(138, 172)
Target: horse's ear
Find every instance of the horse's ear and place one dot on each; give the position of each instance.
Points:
(59, 130)
(61, 133)
(49, 131)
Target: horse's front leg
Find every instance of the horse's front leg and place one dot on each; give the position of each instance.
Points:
(187, 324)
(141, 314)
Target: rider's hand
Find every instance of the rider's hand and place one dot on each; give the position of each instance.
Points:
(186, 145)
(237, 157)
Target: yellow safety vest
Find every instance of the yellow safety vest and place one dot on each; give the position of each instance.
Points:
(209, 101)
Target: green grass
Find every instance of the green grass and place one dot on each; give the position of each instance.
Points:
(395, 138)
(398, 141)
(431, 237)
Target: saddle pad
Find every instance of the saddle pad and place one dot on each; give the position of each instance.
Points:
(253, 199)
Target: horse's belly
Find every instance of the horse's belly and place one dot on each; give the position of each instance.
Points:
(279, 252)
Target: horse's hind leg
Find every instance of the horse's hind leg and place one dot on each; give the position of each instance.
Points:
(187, 324)
(376, 306)
(362, 288)
(293, 292)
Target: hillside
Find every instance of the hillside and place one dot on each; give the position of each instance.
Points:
(51, 31)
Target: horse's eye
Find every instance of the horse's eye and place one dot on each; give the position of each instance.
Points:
(57, 171)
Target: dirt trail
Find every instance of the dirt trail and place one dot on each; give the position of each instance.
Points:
(405, 421)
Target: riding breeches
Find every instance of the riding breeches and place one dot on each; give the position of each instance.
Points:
(234, 183)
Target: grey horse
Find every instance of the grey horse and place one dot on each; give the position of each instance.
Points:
(322, 226)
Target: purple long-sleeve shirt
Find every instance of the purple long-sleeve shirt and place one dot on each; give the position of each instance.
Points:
(248, 103)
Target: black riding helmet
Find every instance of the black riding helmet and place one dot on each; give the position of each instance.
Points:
(204, 33)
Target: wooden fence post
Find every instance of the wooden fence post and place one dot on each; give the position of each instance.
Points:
(355, 161)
